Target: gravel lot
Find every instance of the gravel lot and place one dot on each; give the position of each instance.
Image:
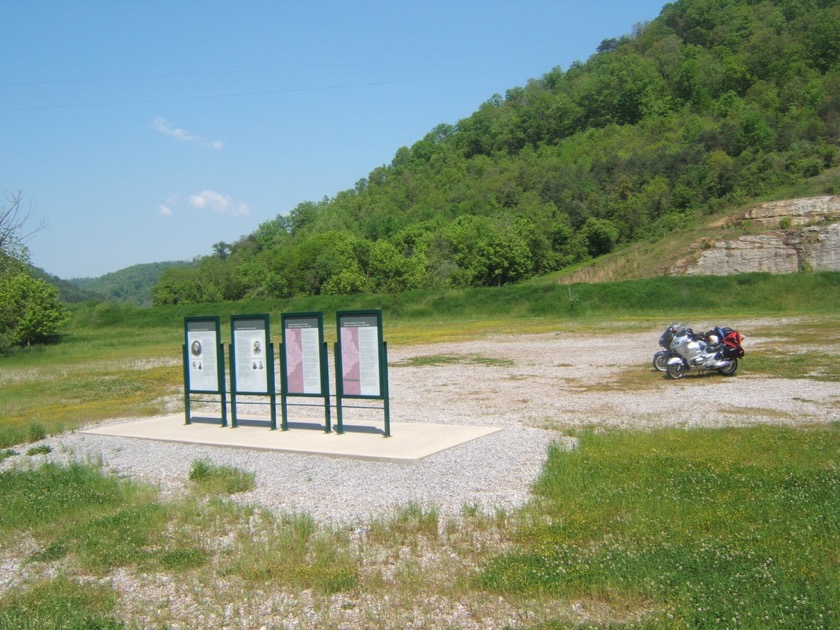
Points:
(534, 386)
(538, 388)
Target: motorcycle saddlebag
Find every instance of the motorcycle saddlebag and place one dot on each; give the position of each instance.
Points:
(732, 345)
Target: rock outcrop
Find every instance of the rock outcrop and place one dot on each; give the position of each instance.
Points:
(800, 212)
(801, 234)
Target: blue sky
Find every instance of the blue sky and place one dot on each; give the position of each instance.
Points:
(148, 131)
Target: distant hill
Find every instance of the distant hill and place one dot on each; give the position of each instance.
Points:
(132, 285)
(68, 292)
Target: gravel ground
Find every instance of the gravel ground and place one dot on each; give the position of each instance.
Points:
(533, 386)
(538, 388)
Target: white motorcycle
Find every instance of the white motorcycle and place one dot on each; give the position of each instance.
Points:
(701, 354)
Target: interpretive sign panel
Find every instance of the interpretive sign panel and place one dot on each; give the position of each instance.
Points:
(202, 356)
(303, 339)
(359, 342)
(249, 354)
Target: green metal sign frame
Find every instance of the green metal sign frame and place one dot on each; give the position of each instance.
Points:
(361, 362)
(204, 362)
(251, 362)
(303, 362)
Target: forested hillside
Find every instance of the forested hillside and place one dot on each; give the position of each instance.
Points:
(67, 291)
(714, 103)
(132, 285)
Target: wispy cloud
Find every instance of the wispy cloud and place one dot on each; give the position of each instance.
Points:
(164, 210)
(217, 202)
(161, 125)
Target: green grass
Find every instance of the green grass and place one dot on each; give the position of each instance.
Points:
(60, 603)
(58, 396)
(409, 522)
(101, 520)
(687, 528)
(209, 478)
(819, 366)
(33, 499)
(39, 450)
(291, 550)
(94, 523)
(447, 359)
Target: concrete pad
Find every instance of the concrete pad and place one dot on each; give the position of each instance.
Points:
(408, 442)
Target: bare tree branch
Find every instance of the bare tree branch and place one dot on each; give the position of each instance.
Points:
(13, 220)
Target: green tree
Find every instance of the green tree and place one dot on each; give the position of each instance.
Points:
(489, 253)
(391, 271)
(273, 232)
(303, 215)
(622, 88)
(346, 282)
(315, 260)
(824, 42)
(30, 310)
(754, 133)
(599, 236)
(221, 250)
(184, 285)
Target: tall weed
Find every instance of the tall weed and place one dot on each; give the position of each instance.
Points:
(210, 478)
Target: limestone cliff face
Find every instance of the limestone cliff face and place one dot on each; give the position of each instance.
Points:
(806, 211)
(801, 234)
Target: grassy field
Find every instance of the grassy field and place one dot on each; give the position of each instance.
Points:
(662, 529)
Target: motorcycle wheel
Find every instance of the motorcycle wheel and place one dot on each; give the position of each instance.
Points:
(676, 370)
(730, 370)
(660, 361)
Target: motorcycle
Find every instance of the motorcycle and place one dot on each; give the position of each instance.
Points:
(660, 358)
(717, 350)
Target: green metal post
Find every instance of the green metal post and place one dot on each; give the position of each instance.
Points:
(284, 415)
(222, 384)
(325, 386)
(234, 421)
(272, 389)
(186, 385)
(339, 391)
(383, 375)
